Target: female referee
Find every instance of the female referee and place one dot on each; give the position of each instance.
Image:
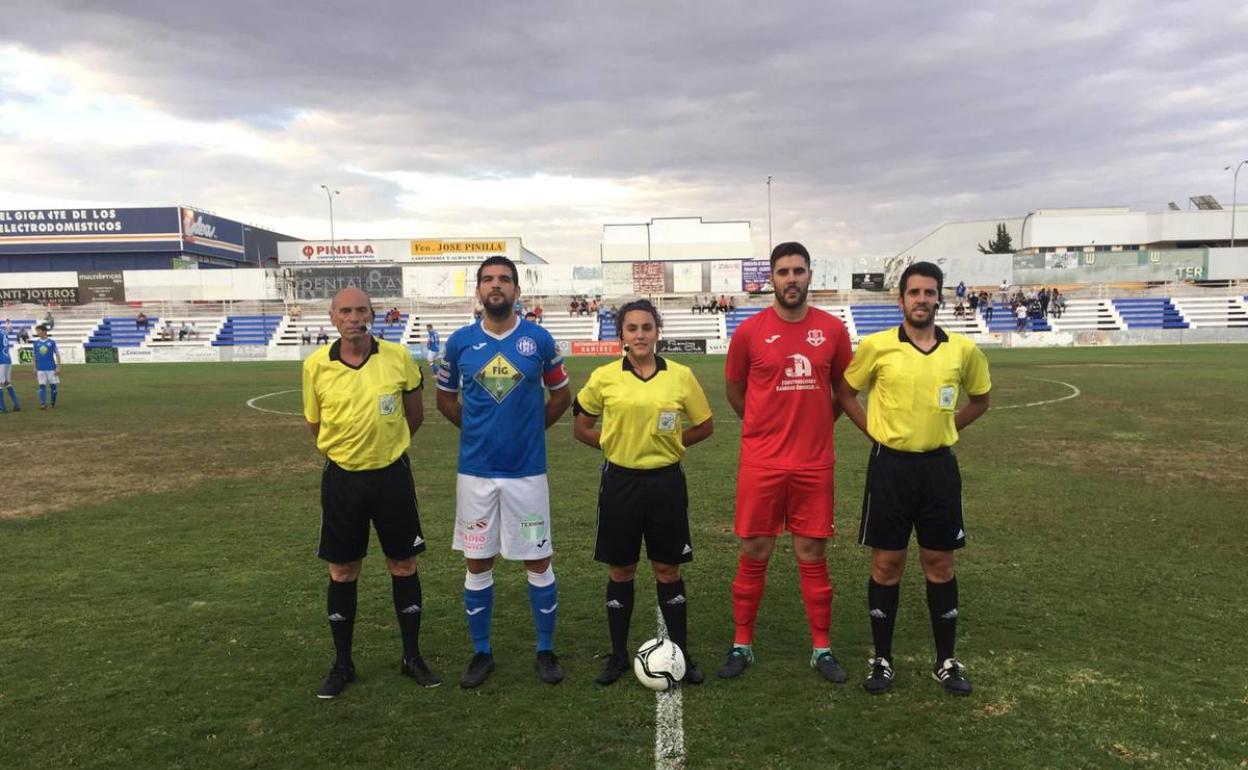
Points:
(641, 400)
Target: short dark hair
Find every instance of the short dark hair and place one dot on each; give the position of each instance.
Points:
(499, 259)
(789, 249)
(637, 304)
(925, 269)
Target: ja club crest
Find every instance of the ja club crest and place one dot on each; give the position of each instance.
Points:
(815, 337)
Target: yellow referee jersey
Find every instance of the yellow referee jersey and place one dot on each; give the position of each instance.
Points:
(914, 394)
(642, 419)
(360, 409)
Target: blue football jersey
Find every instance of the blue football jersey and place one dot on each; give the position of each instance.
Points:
(434, 342)
(45, 354)
(500, 380)
(5, 356)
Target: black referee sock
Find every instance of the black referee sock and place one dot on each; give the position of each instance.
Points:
(882, 603)
(408, 606)
(675, 611)
(942, 604)
(619, 615)
(340, 606)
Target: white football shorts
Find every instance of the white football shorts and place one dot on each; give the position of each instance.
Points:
(502, 516)
(47, 378)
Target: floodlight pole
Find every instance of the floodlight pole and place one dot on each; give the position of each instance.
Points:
(333, 245)
(769, 246)
(1234, 197)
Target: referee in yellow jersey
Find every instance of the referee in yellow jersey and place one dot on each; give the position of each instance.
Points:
(361, 398)
(915, 374)
(641, 400)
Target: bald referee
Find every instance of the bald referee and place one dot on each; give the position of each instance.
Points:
(641, 399)
(361, 398)
(915, 374)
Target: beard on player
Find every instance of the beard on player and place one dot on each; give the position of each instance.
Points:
(791, 295)
(498, 305)
(921, 314)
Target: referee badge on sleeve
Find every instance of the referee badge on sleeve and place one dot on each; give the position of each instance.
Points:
(388, 404)
(668, 421)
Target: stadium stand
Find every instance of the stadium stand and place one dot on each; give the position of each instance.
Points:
(1088, 315)
(1213, 312)
(1149, 313)
(247, 330)
(121, 332)
(203, 329)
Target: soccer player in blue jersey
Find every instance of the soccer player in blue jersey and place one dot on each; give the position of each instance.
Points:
(47, 366)
(491, 386)
(6, 366)
(433, 347)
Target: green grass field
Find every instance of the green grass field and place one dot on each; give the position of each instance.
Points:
(163, 606)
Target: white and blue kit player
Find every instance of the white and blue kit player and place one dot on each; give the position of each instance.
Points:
(491, 385)
(433, 347)
(47, 366)
(6, 367)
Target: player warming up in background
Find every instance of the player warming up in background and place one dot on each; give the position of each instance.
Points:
(6, 367)
(361, 398)
(642, 493)
(915, 374)
(47, 367)
(491, 386)
(783, 366)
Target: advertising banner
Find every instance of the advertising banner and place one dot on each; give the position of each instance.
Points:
(325, 282)
(681, 346)
(596, 348)
(330, 252)
(102, 286)
(52, 231)
(717, 347)
(63, 295)
(756, 276)
(687, 277)
(617, 279)
(648, 278)
(725, 277)
(101, 355)
(868, 281)
(211, 235)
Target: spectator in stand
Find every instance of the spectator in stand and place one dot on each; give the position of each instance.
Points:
(48, 320)
(986, 302)
(696, 307)
(166, 331)
(960, 291)
(184, 331)
(593, 307)
(959, 310)
(23, 334)
(296, 313)
(1005, 290)
(1058, 302)
(322, 337)
(194, 334)
(723, 303)
(973, 303)
(537, 312)
(1044, 296)
(584, 306)
(305, 337)
(711, 304)
(732, 303)
(573, 307)
(1020, 315)
(140, 321)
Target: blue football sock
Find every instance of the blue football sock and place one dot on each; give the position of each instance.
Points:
(479, 606)
(544, 600)
(13, 395)
(43, 395)
(53, 386)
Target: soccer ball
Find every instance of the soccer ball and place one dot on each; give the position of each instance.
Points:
(659, 664)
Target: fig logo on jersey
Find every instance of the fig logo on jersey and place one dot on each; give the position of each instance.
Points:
(815, 337)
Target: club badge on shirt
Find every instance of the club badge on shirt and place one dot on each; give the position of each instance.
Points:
(948, 396)
(667, 422)
(388, 404)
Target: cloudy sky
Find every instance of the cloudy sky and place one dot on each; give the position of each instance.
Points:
(877, 121)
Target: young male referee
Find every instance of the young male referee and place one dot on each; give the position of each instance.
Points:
(916, 373)
(642, 493)
(361, 398)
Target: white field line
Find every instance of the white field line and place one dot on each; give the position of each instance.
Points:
(1074, 393)
(252, 403)
(669, 729)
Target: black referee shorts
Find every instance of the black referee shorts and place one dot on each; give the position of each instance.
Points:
(912, 490)
(633, 504)
(351, 499)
